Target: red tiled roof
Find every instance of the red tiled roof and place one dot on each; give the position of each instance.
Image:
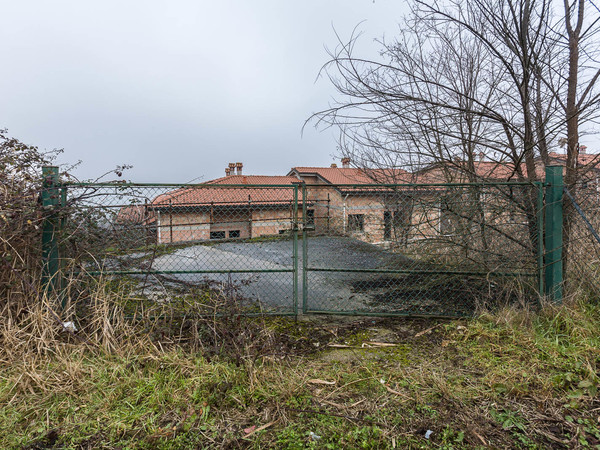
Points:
(255, 179)
(207, 194)
(497, 171)
(341, 175)
(337, 175)
(484, 170)
(584, 159)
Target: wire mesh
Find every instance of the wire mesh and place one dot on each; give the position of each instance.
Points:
(581, 233)
(443, 250)
(172, 243)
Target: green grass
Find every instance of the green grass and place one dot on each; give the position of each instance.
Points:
(511, 380)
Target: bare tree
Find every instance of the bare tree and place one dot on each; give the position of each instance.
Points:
(500, 80)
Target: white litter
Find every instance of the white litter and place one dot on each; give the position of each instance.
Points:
(313, 436)
(69, 326)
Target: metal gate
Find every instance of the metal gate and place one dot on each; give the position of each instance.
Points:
(199, 246)
(420, 250)
(379, 249)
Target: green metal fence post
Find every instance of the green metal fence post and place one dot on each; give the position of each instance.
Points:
(50, 200)
(540, 236)
(304, 253)
(295, 250)
(554, 234)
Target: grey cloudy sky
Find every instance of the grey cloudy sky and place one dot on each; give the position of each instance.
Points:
(177, 88)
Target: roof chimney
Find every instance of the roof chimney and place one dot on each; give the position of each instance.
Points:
(346, 163)
(582, 149)
(239, 166)
(334, 165)
(227, 171)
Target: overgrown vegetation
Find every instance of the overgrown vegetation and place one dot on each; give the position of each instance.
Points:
(20, 221)
(513, 379)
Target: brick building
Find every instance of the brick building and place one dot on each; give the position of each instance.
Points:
(343, 200)
(219, 209)
(377, 206)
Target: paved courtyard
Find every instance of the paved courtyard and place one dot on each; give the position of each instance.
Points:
(326, 290)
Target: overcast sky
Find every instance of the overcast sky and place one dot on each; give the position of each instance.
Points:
(177, 88)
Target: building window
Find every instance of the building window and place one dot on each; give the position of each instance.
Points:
(387, 225)
(356, 222)
(217, 235)
(310, 219)
(395, 224)
(234, 234)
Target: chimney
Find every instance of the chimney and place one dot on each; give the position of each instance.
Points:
(334, 166)
(582, 149)
(238, 166)
(227, 171)
(481, 156)
(346, 163)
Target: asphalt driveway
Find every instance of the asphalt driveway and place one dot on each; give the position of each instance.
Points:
(326, 290)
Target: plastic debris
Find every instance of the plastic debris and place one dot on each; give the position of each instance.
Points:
(428, 434)
(69, 326)
(313, 436)
(249, 429)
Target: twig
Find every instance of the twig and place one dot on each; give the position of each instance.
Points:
(348, 384)
(421, 333)
(391, 391)
(263, 427)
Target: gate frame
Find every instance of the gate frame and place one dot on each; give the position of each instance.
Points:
(549, 217)
(554, 225)
(53, 196)
(541, 258)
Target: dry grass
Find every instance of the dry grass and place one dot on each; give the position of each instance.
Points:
(516, 378)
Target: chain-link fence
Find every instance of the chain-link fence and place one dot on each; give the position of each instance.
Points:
(581, 246)
(186, 244)
(443, 250)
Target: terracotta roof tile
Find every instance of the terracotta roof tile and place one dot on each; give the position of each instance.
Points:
(585, 159)
(206, 194)
(340, 175)
(484, 170)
